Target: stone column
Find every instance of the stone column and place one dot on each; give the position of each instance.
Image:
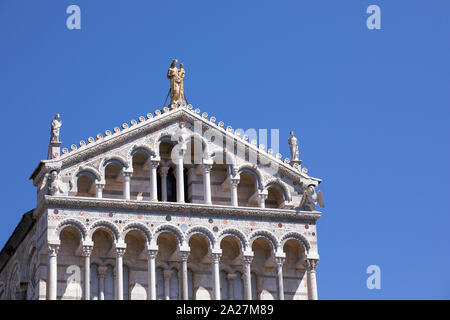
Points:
(280, 285)
(163, 173)
(311, 265)
(101, 282)
(167, 275)
(153, 180)
(262, 196)
(126, 183)
(248, 258)
(184, 254)
(99, 189)
(52, 271)
(215, 255)
(234, 195)
(230, 278)
(87, 250)
(152, 251)
(180, 177)
(120, 251)
(207, 183)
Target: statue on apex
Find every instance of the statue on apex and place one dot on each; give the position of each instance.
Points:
(56, 126)
(293, 145)
(176, 77)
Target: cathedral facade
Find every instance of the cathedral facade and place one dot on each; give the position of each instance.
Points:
(173, 205)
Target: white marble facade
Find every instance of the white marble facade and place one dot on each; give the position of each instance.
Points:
(162, 208)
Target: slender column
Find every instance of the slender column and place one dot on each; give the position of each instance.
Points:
(262, 200)
(234, 195)
(247, 276)
(120, 251)
(184, 254)
(167, 275)
(126, 183)
(207, 183)
(216, 254)
(311, 265)
(180, 178)
(151, 291)
(52, 273)
(87, 249)
(99, 189)
(230, 278)
(153, 180)
(280, 285)
(163, 173)
(101, 282)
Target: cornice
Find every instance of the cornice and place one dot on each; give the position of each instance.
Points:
(175, 207)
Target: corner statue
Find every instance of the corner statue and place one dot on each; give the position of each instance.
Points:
(310, 199)
(176, 77)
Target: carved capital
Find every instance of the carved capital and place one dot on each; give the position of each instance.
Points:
(310, 264)
(231, 276)
(154, 164)
(152, 253)
(120, 252)
(163, 171)
(184, 255)
(102, 271)
(87, 250)
(216, 257)
(247, 259)
(167, 274)
(207, 168)
(234, 182)
(53, 250)
(280, 261)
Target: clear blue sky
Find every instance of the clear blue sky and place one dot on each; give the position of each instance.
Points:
(370, 108)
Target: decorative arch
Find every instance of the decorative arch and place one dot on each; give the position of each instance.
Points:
(76, 224)
(235, 233)
(109, 226)
(276, 182)
(13, 280)
(203, 231)
(266, 235)
(163, 136)
(114, 159)
(253, 170)
(197, 137)
(2, 291)
(292, 235)
(229, 159)
(85, 170)
(166, 227)
(140, 147)
(138, 227)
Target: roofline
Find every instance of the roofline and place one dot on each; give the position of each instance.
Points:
(15, 240)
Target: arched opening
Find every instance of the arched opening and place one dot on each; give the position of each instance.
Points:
(247, 190)
(264, 263)
(167, 248)
(193, 176)
(231, 253)
(293, 272)
(220, 193)
(102, 273)
(86, 186)
(274, 197)
(113, 181)
(170, 192)
(140, 180)
(198, 257)
(136, 258)
(70, 263)
(159, 283)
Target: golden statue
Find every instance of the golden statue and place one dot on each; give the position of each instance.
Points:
(176, 77)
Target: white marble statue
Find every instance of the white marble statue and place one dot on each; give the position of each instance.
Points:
(56, 125)
(293, 144)
(310, 199)
(56, 186)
